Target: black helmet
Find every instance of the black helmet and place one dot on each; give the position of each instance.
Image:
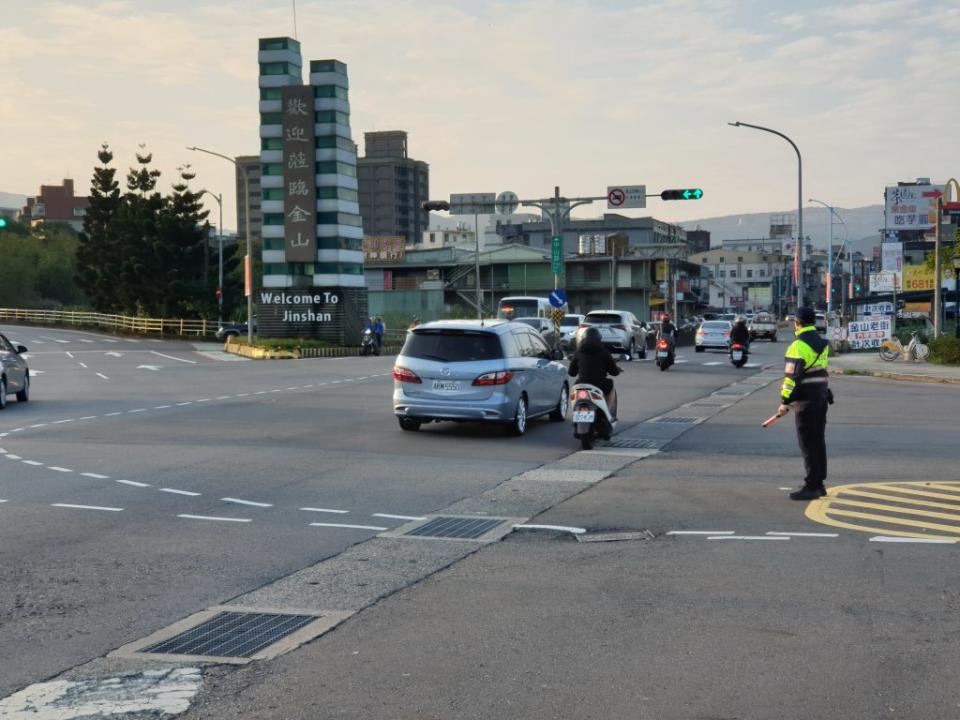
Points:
(591, 336)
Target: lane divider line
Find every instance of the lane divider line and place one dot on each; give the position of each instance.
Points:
(700, 532)
(748, 537)
(57, 468)
(95, 476)
(174, 491)
(924, 541)
(247, 502)
(86, 507)
(561, 528)
(214, 518)
(805, 534)
(133, 483)
(325, 510)
(33, 462)
(397, 517)
(171, 357)
(102, 376)
(350, 527)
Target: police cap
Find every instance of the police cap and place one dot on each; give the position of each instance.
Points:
(806, 316)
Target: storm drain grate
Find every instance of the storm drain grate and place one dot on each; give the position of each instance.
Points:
(677, 420)
(636, 443)
(455, 527)
(737, 393)
(232, 634)
(707, 404)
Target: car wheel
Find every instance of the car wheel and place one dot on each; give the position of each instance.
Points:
(518, 426)
(632, 350)
(3, 393)
(24, 395)
(409, 424)
(773, 338)
(559, 413)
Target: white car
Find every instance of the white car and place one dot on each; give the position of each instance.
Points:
(620, 331)
(714, 334)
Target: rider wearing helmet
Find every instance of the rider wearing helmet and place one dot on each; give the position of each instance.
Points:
(740, 332)
(668, 330)
(592, 363)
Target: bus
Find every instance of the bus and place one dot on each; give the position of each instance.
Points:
(522, 306)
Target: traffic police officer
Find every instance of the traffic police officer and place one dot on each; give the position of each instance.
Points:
(805, 389)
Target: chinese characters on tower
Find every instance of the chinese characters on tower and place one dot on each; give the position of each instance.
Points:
(299, 175)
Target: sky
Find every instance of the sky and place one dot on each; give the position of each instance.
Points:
(517, 95)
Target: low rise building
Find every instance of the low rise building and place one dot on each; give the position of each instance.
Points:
(742, 280)
(56, 203)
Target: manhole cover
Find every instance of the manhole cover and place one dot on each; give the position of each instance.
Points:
(232, 634)
(455, 527)
(633, 443)
(677, 420)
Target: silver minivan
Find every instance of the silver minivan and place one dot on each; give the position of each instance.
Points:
(14, 373)
(465, 370)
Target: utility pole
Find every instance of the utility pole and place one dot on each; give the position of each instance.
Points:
(937, 300)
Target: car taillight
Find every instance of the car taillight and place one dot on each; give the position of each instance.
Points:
(401, 374)
(584, 325)
(583, 395)
(494, 378)
(699, 331)
(726, 333)
(619, 327)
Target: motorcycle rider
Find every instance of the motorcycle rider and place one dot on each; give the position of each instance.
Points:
(376, 327)
(592, 363)
(740, 332)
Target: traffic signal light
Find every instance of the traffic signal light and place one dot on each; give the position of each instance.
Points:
(684, 194)
(3, 222)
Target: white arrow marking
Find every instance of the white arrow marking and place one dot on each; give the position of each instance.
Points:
(34, 373)
(154, 368)
(114, 354)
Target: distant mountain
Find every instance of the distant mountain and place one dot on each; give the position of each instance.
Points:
(861, 226)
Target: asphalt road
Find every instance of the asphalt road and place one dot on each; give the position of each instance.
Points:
(146, 480)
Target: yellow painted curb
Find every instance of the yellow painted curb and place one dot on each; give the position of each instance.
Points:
(255, 353)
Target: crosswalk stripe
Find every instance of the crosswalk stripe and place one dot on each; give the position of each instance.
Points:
(914, 491)
(891, 498)
(896, 509)
(896, 521)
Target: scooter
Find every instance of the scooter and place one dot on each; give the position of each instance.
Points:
(738, 354)
(665, 354)
(368, 343)
(591, 417)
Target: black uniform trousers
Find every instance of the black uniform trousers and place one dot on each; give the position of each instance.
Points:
(811, 419)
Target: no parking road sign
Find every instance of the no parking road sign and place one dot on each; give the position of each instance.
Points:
(626, 196)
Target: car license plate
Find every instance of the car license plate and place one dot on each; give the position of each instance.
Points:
(737, 355)
(584, 416)
(446, 386)
(663, 354)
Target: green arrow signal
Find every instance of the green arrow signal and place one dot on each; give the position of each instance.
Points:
(686, 194)
(698, 193)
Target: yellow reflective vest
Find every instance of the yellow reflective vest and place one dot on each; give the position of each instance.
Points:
(804, 362)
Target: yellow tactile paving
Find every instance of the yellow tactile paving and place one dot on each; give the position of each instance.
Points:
(902, 509)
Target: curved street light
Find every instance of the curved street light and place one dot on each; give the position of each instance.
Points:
(799, 251)
(248, 265)
(833, 214)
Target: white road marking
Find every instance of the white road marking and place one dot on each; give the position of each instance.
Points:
(786, 488)
(95, 476)
(131, 412)
(89, 417)
(326, 510)
(225, 397)
(246, 502)
(700, 532)
(562, 528)
(114, 354)
(261, 392)
(397, 517)
(161, 407)
(35, 373)
(203, 400)
(293, 388)
(133, 483)
(926, 541)
(152, 368)
(805, 534)
(3, 501)
(350, 527)
(86, 507)
(188, 402)
(108, 340)
(13, 457)
(243, 395)
(102, 376)
(275, 391)
(82, 365)
(114, 414)
(84, 340)
(33, 462)
(179, 492)
(171, 357)
(70, 355)
(748, 537)
(38, 425)
(711, 364)
(68, 420)
(56, 468)
(212, 517)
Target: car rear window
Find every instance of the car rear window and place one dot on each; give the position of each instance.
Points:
(452, 345)
(717, 325)
(609, 318)
(570, 321)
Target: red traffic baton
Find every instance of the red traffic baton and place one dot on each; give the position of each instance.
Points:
(772, 419)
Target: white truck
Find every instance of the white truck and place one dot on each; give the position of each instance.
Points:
(763, 325)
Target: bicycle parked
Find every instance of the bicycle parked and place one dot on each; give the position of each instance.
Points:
(893, 349)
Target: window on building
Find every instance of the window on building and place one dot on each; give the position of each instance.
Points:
(749, 273)
(334, 218)
(763, 273)
(733, 273)
(723, 273)
(740, 259)
(339, 168)
(273, 118)
(272, 194)
(279, 68)
(335, 141)
(323, 66)
(722, 260)
(273, 243)
(271, 143)
(329, 91)
(332, 116)
(271, 94)
(273, 169)
(329, 193)
(281, 43)
(273, 218)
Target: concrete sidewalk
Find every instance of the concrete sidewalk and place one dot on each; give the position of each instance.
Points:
(872, 364)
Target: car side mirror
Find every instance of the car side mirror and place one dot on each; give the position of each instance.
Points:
(21, 350)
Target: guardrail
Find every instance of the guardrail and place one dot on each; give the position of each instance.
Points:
(114, 323)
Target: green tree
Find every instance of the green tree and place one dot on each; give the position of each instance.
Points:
(98, 250)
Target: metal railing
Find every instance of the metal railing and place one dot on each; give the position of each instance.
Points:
(113, 323)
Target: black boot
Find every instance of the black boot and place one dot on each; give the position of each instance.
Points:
(808, 493)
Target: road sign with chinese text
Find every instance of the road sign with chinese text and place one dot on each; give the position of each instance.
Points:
(556, 254)
(626, 196)
(299, 175)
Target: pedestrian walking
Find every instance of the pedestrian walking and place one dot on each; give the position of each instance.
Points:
(806, 390)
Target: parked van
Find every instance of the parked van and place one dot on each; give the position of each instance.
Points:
(523, 306)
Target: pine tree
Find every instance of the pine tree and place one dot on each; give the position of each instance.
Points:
(184, 252)
(97, 253)
(141, 289)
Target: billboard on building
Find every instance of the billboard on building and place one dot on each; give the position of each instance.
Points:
(912, 207)
(384, 248)
(760, 295)
(864, 334)
(299, 175)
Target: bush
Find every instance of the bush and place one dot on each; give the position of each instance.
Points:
(945, 350)
(289, 344)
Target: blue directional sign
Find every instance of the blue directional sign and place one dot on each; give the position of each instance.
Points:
(558, 298)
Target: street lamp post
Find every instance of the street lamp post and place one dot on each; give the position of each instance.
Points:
(248, 264)
(956, 296)
(799, 251)
(219, 199)
(830, 261)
